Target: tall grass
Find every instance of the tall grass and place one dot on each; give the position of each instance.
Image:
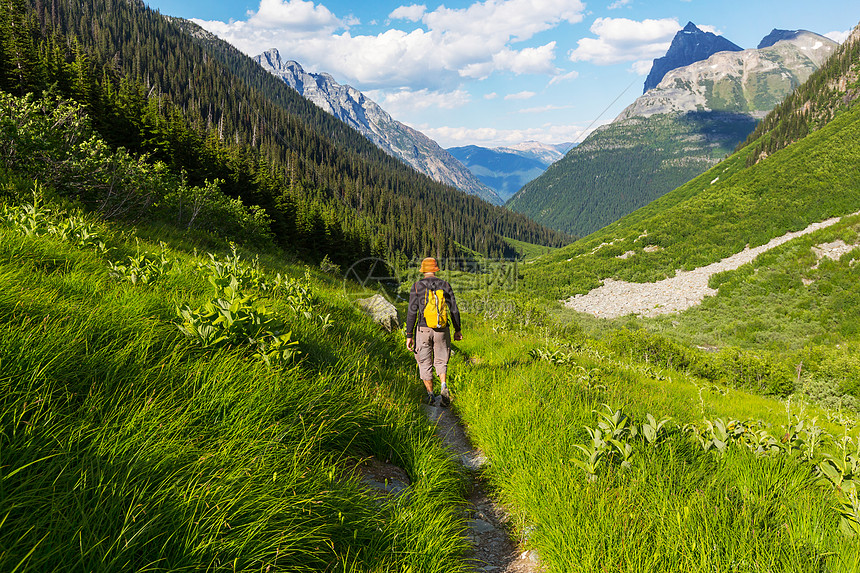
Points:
(677, 507)
(123, 447)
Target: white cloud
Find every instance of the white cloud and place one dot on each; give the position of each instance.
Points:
(545, 108)
(709, 28)
(642, 67)
(521, 95)
(624, 40)
(563, 77)
(450, 44)
(405, 101)
(838, 36)
(618, 4)
(489, 96)
(413, 13)
(296, 15)
(528, 60)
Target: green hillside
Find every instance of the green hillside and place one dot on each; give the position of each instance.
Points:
(626, 165)
(718, 213)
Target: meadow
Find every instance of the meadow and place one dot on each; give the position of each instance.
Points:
(612, 463)
(165, 409)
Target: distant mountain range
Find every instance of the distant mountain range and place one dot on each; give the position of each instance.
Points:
(691, 120)
(361, 113)
(507, 169)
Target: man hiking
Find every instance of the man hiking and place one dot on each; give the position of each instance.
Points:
(432, 307)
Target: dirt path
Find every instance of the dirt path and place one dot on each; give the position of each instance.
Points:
(675, 294)
(494, 550)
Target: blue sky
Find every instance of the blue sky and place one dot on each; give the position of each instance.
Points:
(497, 72)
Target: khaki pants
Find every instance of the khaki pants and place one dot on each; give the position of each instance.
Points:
(432, 349)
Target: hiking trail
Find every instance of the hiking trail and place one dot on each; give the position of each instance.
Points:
(493, 549)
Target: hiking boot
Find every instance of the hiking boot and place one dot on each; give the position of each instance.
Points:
(431, 397)
(446, 399)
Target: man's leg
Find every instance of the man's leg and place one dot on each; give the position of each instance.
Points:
(441, 354)
(424, 357)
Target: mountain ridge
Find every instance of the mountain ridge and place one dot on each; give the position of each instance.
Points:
(366, 116)
(507, 169)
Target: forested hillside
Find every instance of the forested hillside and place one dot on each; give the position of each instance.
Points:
(166, 88)
(626, 165)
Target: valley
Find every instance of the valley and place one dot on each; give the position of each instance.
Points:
(188, 383)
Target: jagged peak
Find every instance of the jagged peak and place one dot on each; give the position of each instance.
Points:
(690, 44)
(690, 27)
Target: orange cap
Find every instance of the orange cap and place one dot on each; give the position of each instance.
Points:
(429, 265)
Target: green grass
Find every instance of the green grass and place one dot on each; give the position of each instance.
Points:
(528, 251)
(677, 508)
(125, 447)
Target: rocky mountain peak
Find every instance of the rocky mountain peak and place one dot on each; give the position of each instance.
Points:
(689, 45)
(366, 116)
(749, 82)
(777, 35)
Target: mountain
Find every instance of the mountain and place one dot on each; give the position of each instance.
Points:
(688, 46)
(546, 153)
(695, 117)
(507, 169)
(750, 81)
(356, 110)
(777, 35)
(745, 201)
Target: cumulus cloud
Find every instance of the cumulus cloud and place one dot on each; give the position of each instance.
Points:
(440, 48)
(623, 40)
(527, 61)
(838, 36)
(294, 15)
(413, 13)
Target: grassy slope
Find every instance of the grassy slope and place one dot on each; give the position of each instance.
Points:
(676, 508)
(123, 447)
(717, 214)
(626, 165)
(528, 251)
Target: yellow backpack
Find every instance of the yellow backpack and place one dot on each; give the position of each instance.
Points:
(435, 309)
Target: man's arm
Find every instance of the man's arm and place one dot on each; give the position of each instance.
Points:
(412, 315)
(454, 311)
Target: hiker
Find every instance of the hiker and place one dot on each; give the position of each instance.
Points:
(432, 307)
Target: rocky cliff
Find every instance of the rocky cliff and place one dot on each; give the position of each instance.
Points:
(399, 140)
